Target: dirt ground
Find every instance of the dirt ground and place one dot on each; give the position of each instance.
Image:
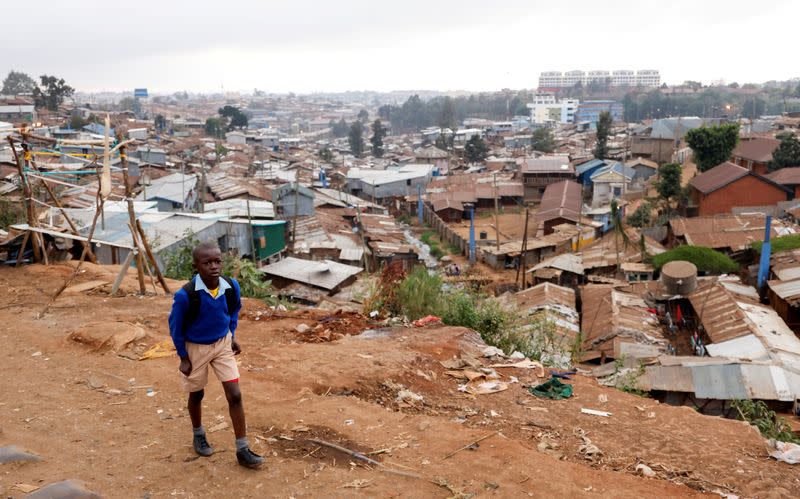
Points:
(93, 413)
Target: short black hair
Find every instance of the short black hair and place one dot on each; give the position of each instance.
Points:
(204, 246)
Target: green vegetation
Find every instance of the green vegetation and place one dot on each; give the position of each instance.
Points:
(423, 293)
(768, 423)
(356, 138)
(475, 150)
(787, 154)
(543, 140)
(706, 259)
(215, 127)
(54, 93)
(237, 119)
(668, 184)
(603, 131)
(429, 237)
(378, 133)
(625, 379)
(10, 213)
(712, 145)
(17, 82)
(641, 217)
(782, 243)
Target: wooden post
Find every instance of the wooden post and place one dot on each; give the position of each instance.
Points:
(21, 252)
(149, 252)
(132, 216)
(122, 272)
(496, 214)
(523, 252)
(27, 198)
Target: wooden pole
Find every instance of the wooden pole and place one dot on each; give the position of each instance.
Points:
(496, 214)
(22, 248)
(146, 265)
(149, 253)
(122, 272)
(523, 252)
(132, 219)
(30, 216)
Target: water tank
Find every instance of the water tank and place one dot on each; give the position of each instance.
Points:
(679, 277)
(483, 235)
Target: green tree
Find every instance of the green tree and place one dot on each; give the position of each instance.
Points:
(543, 140)
(642, 216)
(668, 184)
(356, 139)
(54, 93)
(215, 127)
(787, 153)
(603, 131)
(712, 145)
(130, 104)
(17, 82)
(160, 122)
(325, 154)
(476, 149)
(378, 133)
(444, 142)
(340, 129)
(363, 116)
(237, 119)
(76, 121)
(447, 114)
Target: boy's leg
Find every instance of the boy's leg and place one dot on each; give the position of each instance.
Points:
(235, 407)
(195, 407)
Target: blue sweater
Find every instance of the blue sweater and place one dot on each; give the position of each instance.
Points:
(213, 321)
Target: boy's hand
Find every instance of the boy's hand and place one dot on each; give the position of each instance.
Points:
(186, 366)
(235, 347)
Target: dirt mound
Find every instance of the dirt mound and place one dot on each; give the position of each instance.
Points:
(110, 336)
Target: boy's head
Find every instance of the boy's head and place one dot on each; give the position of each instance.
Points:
(207, 259)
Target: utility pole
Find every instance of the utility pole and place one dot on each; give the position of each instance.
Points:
(250, 231)
(496, 214)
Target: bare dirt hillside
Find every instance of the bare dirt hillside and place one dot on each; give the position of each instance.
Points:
(74, 395)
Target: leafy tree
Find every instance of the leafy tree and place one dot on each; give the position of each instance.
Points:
(340, 129)
(669, 181)
(160, 122)
(325, 154)
(76, 122)
(712, 145)
(476, 149)
(733, 85)
(130, 104)
(444, 142)
(642, 216)
(363, 116)
(787, 153)
(447, 114)
(215, 127)
(17, 82)
(603, 131)
(356, 139)
(543, 140)
(54, 93)
(235, 115)
(378, 133)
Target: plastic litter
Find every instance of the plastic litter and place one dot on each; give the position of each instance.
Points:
(552, 389)
(785, 451)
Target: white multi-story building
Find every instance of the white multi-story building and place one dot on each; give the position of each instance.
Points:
(616, 78)
(545, 109)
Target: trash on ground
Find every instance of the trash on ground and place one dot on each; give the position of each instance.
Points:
(785, 451)
(303, 328)
(483, 386)
(595, 412)
(408, 397)
(645, 470)
(427, 320)
(587, 449)
(164, 348)
(552, 389)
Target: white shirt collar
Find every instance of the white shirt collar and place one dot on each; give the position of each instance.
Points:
(200, 285)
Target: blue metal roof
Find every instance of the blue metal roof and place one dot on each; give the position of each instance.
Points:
(617, 168)
(584, 167)
(98, 129)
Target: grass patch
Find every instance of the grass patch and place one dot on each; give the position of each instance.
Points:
(706, 259)
(782, 243)
(429, 237)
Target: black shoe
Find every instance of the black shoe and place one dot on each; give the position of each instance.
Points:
(248, 458)
(201, 446)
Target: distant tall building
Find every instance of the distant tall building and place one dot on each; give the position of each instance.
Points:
(616, 78)
(546, 109)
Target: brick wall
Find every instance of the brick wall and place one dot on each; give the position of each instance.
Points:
(747, 191)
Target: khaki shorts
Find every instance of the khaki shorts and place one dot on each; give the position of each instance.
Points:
(218, 356)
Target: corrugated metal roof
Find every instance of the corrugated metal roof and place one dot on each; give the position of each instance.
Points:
(787, 290)
(736, 232)
(719, 313)
(569, 262)
(175, 187)
(560, 200)
(546, 164)
(239, 208)
(717, 177)
(325, 274)
(756, 149)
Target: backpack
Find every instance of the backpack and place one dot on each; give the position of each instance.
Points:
(194, 300)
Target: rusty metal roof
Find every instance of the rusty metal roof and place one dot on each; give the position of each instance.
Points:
(756, 149)
(736, 232)
(718, 177)
(546, 293)
(719, 313)
(560, 200)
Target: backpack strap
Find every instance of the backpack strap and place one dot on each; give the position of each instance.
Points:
(231, 299)
(194, 304)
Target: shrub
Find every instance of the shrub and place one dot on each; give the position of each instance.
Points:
(778, 244)
(768, 423)
(641, 217)
(706, 259)
(419, 294)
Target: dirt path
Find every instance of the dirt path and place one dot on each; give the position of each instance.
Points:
(88, 415)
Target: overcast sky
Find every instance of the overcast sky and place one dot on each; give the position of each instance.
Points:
(337, 45)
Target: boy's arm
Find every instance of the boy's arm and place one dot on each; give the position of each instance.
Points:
(180, 304)
(235, 314)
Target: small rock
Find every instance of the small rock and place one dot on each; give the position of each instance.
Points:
(12, 454)
(645, 470)
(303, 328)
(36, 354)
(67, 489)
(94, 382)
(517, 355)
(408, 397)
(493, 352)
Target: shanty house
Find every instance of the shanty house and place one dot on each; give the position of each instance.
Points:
(293, 199)
(326, 275)
(755, 154)
(561, 203)
(662, 141)
(449, 209)
(727, 232)
(175, 192)
(585, 170)
(381, 184)
(434, 156)
(643, 169)
(727, 186)
(538, 173)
